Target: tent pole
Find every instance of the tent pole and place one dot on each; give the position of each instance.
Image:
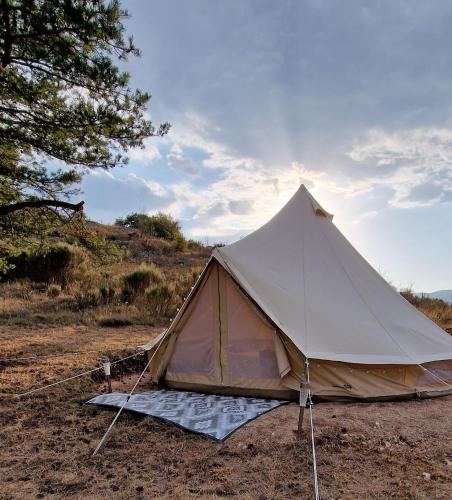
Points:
(300, 419)
(304, 391)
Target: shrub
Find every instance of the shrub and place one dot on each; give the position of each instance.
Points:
(107, 294)
(160, 225)
(147, 247)
(137, 281)
(127, 296)
(194, 245)
(114, 322)
(53, 290)
(57, 263)
(180, 244)
(103, 251)
(86, 299)
(160, 298)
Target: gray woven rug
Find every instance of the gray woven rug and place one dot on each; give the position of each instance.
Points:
(208, 414)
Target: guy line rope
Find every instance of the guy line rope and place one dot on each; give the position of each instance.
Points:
(110, 427)
(78, 375)
(314, 458)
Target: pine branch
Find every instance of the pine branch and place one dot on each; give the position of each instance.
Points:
(14, 207)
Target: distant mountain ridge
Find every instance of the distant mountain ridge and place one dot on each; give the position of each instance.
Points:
(445, 295)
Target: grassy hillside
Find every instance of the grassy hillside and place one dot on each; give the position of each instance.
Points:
(437, 310)
(117, 276)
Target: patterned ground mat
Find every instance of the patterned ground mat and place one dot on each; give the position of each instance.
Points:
(208, 414)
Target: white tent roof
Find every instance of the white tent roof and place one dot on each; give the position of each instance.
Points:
(324, 296)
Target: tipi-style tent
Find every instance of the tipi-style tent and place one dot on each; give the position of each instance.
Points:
(293, 290)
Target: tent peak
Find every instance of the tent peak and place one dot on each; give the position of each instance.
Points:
(318, 209)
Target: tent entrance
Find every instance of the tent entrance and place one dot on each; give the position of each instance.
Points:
(223, 341)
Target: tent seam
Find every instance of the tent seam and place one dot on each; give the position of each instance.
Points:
(219, 325)
(303, 279)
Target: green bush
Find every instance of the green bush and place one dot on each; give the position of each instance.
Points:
(161, 298)
(127, 296)
(138, 281)
(103, 252)
(86, 299)
(160, 225)
(56, 263)
(180, 244)
(114, 322)
(107, 294)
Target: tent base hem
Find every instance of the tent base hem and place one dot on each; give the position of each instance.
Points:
(370, 399)
(287, 395)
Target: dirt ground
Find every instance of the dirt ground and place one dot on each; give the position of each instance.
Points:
(364, 450)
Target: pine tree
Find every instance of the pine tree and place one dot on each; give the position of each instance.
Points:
(65, 106)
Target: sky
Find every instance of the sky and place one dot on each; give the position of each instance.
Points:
(353, 99)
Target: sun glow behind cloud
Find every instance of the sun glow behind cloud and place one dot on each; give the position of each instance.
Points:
(268, 95)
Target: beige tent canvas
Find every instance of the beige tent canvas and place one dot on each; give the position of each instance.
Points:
(296, 290)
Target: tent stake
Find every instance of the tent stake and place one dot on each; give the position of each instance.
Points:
(107, 370)
(304, 391)
(300, 419)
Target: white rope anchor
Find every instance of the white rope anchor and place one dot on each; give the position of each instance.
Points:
(77, 376)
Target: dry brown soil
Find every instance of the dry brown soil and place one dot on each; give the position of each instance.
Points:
(364, 450)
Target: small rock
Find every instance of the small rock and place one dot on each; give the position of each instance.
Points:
(426, 476)
(387, 444)
(344, 430)
(381, 449)
(333, 416)
(448, 462)
(140, 489)
(377, 424)
(114, 487)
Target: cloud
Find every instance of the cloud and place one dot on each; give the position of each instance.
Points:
(241, 207)
(365, 215)
(178, 161)
(147, 154)
(415, 164)
(109, 197)
(243, 198)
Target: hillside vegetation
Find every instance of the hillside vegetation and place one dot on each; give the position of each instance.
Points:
(137, 271)
(134, 272)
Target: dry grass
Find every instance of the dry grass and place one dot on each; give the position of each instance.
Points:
(377, 450)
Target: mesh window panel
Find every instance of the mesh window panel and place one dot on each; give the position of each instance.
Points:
(251, 352)
(437, 373)
(194, 349)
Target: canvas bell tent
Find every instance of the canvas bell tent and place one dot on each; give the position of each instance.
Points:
(296, 290)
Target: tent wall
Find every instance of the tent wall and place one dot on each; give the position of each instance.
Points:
(222, 342)
(196, 353)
